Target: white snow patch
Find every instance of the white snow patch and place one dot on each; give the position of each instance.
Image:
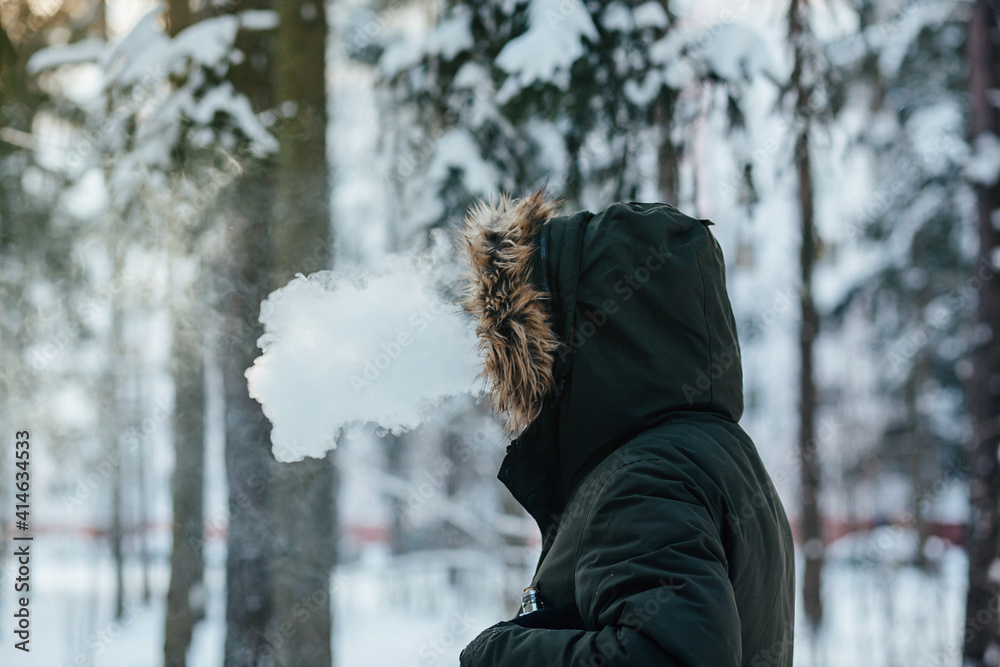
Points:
(951, 503)
(736, 52)
(403, 54)
(546, 51)
(224, 98)
(149, 53)
(993, 573)
(86, 198)
(259, 19)
(893, 40)
(644, 93)
(451, 36)
(733, 51)
(471, 75)
(983, 166)
(616, 17)
(457, 148)
(84, 51)
(650, 15)
(936, 132)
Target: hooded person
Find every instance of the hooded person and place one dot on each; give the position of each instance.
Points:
(609, 345)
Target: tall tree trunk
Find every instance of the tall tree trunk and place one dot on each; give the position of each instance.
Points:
(393, 445)
(304, 503)
(184, 606)
(810, 521)
(112, 422)
(982, 630)
(142, 500)
(249, 462)
(668, 154)
(916, 437)
(178, 16)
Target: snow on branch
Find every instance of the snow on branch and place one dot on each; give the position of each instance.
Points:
(84, 51)
(547, 50)
(983, 166)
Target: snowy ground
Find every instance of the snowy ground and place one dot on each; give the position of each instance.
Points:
(405, 613)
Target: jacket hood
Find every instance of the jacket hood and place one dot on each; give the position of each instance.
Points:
(595, 327)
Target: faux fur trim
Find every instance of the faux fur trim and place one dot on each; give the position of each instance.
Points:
(516, 336)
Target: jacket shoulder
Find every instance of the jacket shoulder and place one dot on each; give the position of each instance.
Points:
(711, 454)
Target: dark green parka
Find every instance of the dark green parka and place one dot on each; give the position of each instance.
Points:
(610, 344)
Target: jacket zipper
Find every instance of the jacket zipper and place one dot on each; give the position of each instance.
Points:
(545, 260)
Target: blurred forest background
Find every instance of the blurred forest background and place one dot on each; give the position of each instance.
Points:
(164, 167)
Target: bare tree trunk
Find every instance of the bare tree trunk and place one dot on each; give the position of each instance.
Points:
(249, 462)
(185, 599)
(112, 424)
(917, 440)
(982, 630)
(668, 154)
(178, 16)
(304, 545)
(142, 505)
(393, 445)
(810, 521)
(184, 602)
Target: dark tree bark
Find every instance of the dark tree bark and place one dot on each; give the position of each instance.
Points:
(249, 463)
(178, 16)
(393, 445)
(112, 422)
(668, 154)
(187, 562)
(246, 277)
(916, 439)
(184, 607)
(810, 521)
(982, 629)
(303, 492)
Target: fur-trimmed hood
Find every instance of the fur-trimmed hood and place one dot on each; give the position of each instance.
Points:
(506, 291)
(596, 326)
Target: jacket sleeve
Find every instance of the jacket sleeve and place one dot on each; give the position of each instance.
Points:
(651, 577)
